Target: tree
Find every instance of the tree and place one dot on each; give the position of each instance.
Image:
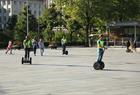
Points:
(118, 10)
(50, 19)
(12, 22)
(21, 25)
(73, 27)
(94, 13)
(86, 12)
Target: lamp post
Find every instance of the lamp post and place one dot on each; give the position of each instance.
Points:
(38, 29)
(27, 19)
(135, 33)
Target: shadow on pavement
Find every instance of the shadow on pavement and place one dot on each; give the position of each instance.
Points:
(2, 92)
(63, 65)
(121, 70)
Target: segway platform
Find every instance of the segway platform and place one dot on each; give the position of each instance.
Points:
(66, 52)
(129, 51)
(26, 60)
(99, 65)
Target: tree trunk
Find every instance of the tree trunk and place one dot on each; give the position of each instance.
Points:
(71, 38)
(87, 36)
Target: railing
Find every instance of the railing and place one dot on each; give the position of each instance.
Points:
(115, 43)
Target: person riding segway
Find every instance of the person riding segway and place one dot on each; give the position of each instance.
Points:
(99, 64)
(27, 43)
(63, 43)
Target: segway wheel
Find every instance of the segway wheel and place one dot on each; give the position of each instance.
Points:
(96, 66)
(66, 52)
(30, 60)
(22, 60)
(128, 50)
(102, 65)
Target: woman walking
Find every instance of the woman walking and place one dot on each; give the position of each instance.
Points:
(41, 46)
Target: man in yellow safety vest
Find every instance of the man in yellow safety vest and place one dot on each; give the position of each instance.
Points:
(100, 48)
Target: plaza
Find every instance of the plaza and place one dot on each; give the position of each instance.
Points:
(73, 74)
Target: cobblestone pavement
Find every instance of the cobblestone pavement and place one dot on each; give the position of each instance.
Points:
(57, 74)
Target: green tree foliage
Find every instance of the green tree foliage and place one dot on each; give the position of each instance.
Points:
(21, 25)
(86, 13)
(50, 19)
(117, 10)
(101, 12)
(91, 13)
(73, 27)
(69, 11)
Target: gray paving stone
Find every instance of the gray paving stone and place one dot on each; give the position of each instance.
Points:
(57, 74)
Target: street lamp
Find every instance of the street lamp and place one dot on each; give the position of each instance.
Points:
(27, 19)
(38, 29)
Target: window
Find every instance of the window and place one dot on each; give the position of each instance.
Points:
(34, 12)
(3, 2)
(4, 10)
(20, 3)
(39, 12)
(5, 18)
(8, 2)
(0, 19)
(24, 3)
(15, 2)
(8, 10)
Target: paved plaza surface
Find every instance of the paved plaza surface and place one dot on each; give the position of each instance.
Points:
(57, 74)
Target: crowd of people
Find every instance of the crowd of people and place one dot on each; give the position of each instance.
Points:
(32, 45)
(28, 45)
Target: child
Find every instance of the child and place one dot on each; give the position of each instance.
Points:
(9, 47)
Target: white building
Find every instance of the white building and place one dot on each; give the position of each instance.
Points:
(47, 3)
(13, 7)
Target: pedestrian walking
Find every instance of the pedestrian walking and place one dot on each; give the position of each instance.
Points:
(9, 47)
(128, 45)
(134, 46)
(35, 45)
(41, 46)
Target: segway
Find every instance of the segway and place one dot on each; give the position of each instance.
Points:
(65, 52)
(129, 51)
(26, 60)
(98, 65)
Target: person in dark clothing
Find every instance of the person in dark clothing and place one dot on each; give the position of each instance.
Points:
(63, 43)
(134, 46)
(128, 45)
(35, 44)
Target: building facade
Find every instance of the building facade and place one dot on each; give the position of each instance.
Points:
(47, 3)
(13, 7)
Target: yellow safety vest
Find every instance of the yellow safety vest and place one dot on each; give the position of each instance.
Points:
(100, 43)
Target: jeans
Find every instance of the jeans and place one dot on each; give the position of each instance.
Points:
(100, 52)
(34, 48)
(41, 51)
(64, 48)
